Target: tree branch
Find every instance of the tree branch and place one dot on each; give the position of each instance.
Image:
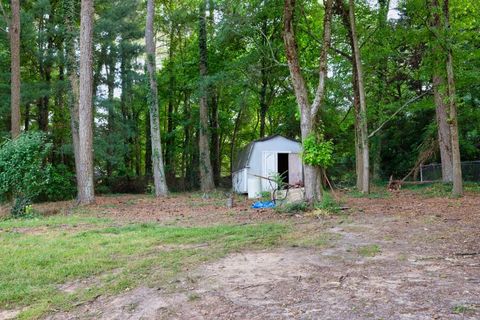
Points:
(396, 112)
(342, 53)
(327, 38)
(5, 16)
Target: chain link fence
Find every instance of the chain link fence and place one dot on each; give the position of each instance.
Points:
(433, 172)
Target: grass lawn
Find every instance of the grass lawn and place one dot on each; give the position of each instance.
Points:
(39, 256)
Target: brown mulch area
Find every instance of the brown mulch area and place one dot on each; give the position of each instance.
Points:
(427, 266)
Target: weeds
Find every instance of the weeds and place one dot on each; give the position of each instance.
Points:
(293, 208)
(462, 309)
(369, 251)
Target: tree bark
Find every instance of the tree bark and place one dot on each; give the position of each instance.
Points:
(215, 137)
(309, 112)
(157, 157)
(14, 33)
(206, 173)
(73, 94)
(443, 128)
(110, 79)
(85, 177)
(148, 146)
(170, 139)
(441, 100)
(363, 103)
(264, 83)
(456, 159)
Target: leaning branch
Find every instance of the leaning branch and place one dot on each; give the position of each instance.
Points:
(397, 112)
(5, 16)
(327, 37)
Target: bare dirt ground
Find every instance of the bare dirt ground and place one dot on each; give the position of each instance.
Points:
(402, 257)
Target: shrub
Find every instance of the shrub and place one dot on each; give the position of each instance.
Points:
(293, 207)
(60, 184)
(317, 151)
(24, 171)
(328, 203)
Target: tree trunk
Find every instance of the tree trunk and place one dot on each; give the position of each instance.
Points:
(14, 33)
(456, 159)
(358, 132)
(215, 138)
(444, 138)
(308, 112)
(85, 177)
(206, 173)
(264, 84)
(110, 70)
(263, 101)
(73, 94)
(441, 100)
(362, 116)
(27, 117)
(157, 157)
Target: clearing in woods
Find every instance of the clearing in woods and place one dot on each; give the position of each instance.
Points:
(400, 255)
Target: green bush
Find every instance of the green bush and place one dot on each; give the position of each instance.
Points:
(317, 151)
(24, 171)
(293, 207)
(328, 203)
(60, 184)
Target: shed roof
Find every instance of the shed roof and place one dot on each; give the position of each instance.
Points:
(244, 155)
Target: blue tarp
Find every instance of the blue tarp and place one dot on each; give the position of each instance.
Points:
(263, 205)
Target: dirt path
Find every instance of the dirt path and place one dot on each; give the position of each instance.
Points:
(397, 258)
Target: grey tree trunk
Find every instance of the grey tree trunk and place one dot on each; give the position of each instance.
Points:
(357, 123)
(362, 116)
(359, 103)
(441, 100)
(73, 94)
(85, 174)
(456, 160)
(14, 33)
(157, 158)
(308, 111)
(443, 130)
(206, 172)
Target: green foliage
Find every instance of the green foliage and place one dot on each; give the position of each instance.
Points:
(24, 172)
(463, 309)
(60, 185)
(293, 207)
(317, 151)
(369, 250)
(440, 189)
(328, 204)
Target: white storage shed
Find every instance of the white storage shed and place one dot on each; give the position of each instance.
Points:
(263, 159)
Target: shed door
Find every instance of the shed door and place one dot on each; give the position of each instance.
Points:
(295, 169)
(269, 170)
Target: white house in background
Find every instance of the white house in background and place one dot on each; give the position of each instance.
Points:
(266, 158)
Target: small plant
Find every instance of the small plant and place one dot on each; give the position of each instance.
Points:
(265, 195)
(193, 297)
(293, 208)
(462, 309)
(369, 251)
(328, 204)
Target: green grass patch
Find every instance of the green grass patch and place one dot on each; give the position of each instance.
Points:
(463, 309)
(377, 194)
(369, 251)
(440, 189)
(35, 264)
(329, 204)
